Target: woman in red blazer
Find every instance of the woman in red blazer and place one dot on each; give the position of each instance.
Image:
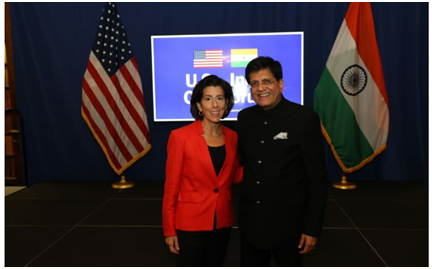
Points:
(202, 164)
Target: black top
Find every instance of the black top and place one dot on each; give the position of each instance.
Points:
(217, 155)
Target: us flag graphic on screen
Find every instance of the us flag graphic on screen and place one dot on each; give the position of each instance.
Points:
(112, 96)
(208, 58)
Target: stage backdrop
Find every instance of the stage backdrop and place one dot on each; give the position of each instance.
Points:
(52, 43)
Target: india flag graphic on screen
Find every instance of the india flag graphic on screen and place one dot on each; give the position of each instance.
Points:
(241, 57)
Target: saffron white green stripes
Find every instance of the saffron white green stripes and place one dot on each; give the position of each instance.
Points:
(241, 57)
(355, 126)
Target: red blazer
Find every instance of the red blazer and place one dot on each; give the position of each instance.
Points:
(193, 192)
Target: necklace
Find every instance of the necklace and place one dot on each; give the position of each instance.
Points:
(213, 136)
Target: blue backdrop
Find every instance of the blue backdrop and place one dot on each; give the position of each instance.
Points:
(52, 42)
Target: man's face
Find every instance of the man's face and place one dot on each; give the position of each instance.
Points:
(265, 90)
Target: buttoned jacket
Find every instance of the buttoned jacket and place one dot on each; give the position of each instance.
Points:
(284, 190)
(193, 192)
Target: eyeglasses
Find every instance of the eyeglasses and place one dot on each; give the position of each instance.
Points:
(264, 82)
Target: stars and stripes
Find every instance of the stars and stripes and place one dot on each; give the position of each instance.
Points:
(112, 96)
(208, 58)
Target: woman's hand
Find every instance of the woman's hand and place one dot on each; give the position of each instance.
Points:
(173, 244)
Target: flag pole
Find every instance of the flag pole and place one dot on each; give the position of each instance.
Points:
(344, 184)
(122, 184)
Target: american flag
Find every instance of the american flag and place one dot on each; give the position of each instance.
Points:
(112, 96)
(208, 58)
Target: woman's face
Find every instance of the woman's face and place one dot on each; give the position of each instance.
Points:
(212, 104)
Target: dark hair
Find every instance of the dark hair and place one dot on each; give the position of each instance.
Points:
(262, 62)
(197, 94)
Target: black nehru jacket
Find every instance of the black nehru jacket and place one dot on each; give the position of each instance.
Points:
(284, 190)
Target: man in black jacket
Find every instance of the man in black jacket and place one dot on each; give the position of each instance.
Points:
(284, 190)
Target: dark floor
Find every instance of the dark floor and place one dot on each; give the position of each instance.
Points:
(77, 224)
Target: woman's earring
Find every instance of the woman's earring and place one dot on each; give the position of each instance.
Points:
(200, 113)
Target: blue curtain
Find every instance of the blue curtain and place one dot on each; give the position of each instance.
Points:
(52, 42)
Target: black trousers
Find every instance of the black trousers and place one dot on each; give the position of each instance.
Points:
(284, 257)
(203, 248)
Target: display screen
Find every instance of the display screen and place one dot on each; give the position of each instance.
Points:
(180, 62)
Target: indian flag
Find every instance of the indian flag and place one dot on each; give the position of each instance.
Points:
(351, 97)
(241, 57)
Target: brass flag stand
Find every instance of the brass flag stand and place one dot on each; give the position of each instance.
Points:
(344, 184)
(122, 184)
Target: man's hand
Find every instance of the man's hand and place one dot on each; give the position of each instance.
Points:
(308, 242)
(173, 244)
